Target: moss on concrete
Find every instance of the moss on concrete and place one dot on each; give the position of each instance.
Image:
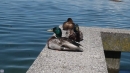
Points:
(116, 41)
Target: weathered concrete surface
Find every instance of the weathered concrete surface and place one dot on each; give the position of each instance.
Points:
(116, 41)
(92, 60)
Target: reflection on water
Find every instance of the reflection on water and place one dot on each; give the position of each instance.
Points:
(23, 25)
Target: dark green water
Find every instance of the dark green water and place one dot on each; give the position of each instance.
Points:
(23, 25)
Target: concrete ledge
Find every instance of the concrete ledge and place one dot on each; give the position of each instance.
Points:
(116, 41)
(92, 60)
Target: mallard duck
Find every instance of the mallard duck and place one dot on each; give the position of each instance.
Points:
(76, 35)
(68, 26)
(58, 42)
(72, 30)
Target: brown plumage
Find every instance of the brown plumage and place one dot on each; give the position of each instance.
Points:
(72, 30)
(68, 25)
(58, 42)
(76, 34)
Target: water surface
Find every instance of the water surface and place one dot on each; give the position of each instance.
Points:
(23, 25)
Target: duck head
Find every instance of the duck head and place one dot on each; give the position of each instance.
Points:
(57, 31)
(76, 28)
(68, 24)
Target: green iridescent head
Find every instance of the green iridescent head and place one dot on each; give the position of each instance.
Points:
(76, 28)
(57, 31)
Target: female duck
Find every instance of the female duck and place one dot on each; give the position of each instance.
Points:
(68, 27)
(72, 30)
(58, 42)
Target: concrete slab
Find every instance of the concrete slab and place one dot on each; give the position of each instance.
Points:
(116, 41)
(91, 60)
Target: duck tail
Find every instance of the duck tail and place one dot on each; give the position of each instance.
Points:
(80, 49)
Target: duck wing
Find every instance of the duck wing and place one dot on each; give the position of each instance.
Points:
(79, 36)
(63, 44)
(70, 41)
(54, 43)
(70, 45)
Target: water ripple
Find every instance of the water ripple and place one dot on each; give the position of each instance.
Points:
(23, 25)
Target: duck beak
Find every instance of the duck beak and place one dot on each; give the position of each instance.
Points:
(50, 30)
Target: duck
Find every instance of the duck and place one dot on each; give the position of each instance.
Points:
(72, 30)
(68, 25)
(76, 35)
(60, 43)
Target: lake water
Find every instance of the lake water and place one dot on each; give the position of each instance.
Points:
(23, 25)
